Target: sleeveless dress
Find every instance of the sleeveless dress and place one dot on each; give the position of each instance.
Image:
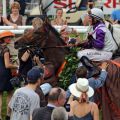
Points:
(54, 22)
(18, 21)
(86, 117)
(5, 73)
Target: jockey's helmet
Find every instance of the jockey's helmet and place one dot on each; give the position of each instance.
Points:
(97, 13)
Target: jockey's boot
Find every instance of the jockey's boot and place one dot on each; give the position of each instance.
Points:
(93, 70)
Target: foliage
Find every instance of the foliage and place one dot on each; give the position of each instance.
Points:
(69, 69)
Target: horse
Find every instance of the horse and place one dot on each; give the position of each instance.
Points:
(110, 97)
(48, 40)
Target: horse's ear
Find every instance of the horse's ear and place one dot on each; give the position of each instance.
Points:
(46, 21)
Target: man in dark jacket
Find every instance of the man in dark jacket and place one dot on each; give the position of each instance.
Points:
(56, 98)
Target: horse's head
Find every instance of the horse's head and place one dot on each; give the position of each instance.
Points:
(49, 39)
(32, 38)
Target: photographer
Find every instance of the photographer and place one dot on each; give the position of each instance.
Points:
(28, 58)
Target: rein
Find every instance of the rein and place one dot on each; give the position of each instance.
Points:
(35, 46)
(61, 46)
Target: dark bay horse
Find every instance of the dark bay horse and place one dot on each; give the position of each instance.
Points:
(110, 94)
(48, 40)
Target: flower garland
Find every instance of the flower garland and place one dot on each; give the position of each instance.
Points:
(69, 69)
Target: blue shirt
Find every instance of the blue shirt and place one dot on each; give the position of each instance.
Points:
(94, 83)
(99, 82)
(115, 15)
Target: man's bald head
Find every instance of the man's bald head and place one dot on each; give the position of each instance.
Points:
(56, 94)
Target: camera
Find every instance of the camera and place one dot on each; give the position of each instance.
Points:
(67, 107)
(38, 52)
(17, 81)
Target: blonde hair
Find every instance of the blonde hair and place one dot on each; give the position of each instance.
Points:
(15, 5)
(84, 98)
(37, 22)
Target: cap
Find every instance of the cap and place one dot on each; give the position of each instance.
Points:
(6, 34)
(34, 74)
(97, 13)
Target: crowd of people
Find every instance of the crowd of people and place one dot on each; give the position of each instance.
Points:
(31, 101)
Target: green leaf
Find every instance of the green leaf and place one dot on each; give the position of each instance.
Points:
(69, 69)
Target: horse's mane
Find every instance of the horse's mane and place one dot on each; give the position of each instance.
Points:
(56, 33)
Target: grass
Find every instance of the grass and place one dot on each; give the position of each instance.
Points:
(4, 105)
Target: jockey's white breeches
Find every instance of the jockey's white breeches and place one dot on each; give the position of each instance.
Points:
(95, 55)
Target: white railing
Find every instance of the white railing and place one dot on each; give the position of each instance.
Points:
(20, 29)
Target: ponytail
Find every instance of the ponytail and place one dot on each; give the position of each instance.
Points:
(84, 98)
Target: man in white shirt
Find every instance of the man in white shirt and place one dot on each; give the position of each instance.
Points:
(25, 100)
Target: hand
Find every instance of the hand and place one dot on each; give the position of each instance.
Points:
(79, 41)
(90, 37)
(37, 61)
(104, 65)
(15, 26)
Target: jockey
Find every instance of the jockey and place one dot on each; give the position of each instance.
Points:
(100, 44)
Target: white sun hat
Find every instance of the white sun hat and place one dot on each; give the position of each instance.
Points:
(80, 87)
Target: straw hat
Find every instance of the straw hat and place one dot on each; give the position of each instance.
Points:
(6, 34)
(80, 87)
